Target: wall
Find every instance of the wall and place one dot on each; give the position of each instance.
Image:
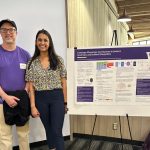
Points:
(91, 24)
(31, 16)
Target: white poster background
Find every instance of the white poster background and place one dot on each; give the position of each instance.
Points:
(31, 16)
(77, 76)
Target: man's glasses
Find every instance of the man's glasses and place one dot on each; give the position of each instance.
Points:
(4, 30)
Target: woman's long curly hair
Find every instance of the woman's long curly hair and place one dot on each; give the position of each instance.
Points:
(53, 58)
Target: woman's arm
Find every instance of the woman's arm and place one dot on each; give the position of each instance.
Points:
(27, 87)
(34, 110)
(31, 94)
(64, 87)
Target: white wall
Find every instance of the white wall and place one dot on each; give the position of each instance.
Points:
(31, 16)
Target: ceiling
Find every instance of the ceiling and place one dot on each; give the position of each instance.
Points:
(139, 11)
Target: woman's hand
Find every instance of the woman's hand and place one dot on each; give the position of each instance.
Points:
(34, 112)
(65, 107)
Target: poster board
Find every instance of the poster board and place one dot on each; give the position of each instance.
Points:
(109, 81)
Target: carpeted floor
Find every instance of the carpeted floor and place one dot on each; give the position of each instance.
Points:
(84, 144)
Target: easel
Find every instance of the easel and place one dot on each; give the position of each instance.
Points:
(116, 43)
(91, 139)
(114, 37)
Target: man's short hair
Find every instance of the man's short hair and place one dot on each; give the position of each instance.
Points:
(8, 21)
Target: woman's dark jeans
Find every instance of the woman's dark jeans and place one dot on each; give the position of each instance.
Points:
(50, 104)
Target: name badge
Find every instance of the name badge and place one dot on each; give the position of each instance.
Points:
(22, 66)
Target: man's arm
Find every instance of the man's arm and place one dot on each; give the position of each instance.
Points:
(3, 95)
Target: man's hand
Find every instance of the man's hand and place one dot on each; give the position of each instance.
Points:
(11, 100)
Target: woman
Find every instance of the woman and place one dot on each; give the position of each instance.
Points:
(46, 75)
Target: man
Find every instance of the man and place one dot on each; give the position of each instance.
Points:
(13, 61)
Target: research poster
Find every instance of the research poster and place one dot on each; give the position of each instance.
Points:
(112, 76)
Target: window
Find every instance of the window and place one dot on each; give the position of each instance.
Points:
(145, 42)
(136, 43)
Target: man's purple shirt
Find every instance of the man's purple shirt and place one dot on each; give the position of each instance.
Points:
(12, 69)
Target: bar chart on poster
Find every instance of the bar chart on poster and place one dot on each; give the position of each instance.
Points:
(109, 81)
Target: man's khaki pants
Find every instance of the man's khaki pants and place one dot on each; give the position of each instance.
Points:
(6, 134)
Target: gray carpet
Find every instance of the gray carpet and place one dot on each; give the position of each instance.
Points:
(83, 144)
